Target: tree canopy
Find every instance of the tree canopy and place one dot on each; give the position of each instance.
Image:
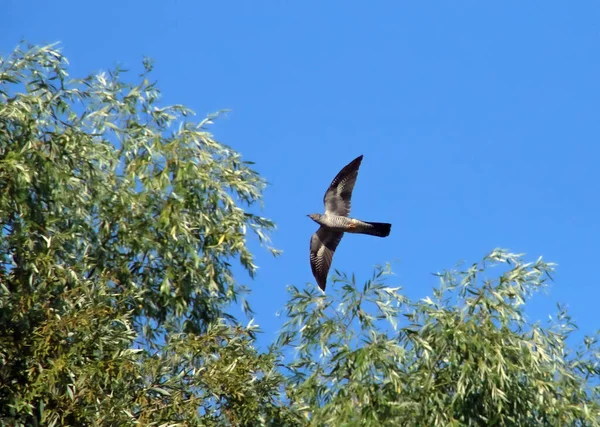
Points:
(121, 221)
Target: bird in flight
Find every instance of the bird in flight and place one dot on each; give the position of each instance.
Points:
(335, 222)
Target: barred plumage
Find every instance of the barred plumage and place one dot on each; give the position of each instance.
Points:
(335, 222)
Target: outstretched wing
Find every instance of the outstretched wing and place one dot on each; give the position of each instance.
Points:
(322, 246)
(338, 196)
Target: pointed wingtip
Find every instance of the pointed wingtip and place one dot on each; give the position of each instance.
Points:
(322, 284)
(356, 161)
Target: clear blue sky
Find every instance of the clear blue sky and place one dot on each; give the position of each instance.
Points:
(479, 122)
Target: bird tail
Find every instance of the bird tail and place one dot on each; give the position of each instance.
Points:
(379, 229)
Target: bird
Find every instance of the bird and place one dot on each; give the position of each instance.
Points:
(335, 222)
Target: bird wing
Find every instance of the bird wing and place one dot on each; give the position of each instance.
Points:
(338, 196)
(322, 246)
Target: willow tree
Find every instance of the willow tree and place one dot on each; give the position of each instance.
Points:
(120, 223)
(369, 356)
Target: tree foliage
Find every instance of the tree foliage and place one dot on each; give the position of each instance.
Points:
(121, 221)
(467, 357)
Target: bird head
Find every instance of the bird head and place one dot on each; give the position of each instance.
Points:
(315, 217)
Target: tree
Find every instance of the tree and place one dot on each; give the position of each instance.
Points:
(120, 220)
(120, 223)
(468, 357)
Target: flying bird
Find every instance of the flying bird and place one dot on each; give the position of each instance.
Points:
(335, 222)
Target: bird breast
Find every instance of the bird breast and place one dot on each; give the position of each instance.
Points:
(338, 223)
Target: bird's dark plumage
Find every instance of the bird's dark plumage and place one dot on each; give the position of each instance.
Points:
(322, 246)
(338, 197)
(335, 222)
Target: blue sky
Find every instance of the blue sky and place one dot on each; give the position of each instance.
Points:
(478, 121)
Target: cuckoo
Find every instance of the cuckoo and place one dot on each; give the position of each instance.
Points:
(335, 222)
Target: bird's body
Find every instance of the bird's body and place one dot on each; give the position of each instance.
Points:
(335, 222)
(352, 225)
